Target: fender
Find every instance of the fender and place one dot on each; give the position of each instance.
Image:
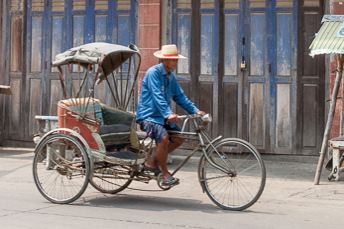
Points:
(72, 132)
(213, 142)
(77, 136)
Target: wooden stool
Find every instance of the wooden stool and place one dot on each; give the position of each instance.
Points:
(337, 146)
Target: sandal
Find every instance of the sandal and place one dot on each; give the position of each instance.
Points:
(170, 181)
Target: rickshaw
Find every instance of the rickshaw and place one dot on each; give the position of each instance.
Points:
(98, 141)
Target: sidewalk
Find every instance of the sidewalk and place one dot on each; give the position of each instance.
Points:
(278, 166)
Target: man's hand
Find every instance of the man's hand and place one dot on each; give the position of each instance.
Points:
(172, 118)
(201, 113)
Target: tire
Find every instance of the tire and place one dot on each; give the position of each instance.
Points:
(244, 180)
(61, 168)
(109, 178)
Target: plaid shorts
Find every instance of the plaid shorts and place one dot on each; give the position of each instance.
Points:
(157, 131)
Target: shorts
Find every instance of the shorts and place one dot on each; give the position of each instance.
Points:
(157, 131)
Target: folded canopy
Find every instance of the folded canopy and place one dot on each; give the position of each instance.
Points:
(108, 56)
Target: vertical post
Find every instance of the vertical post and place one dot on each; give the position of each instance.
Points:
(2, 64)
(195, 47)
(341, 129)
(340, 59)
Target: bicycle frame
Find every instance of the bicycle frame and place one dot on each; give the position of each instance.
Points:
(204, 140)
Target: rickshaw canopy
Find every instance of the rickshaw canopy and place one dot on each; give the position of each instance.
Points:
(108, 56)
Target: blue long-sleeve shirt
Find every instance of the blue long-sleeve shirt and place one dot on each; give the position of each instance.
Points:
(157, 90)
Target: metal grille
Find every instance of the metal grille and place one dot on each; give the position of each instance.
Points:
(37, 5)
(232, 4)
(123, 5)
(16, 5)
(207, 4)
(79, 5)
(312, 3)
(182, 4)
(257, 3)
(284, 3)
(58, 6)
(101, 4)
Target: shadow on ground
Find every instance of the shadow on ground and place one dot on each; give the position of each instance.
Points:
(151, 203)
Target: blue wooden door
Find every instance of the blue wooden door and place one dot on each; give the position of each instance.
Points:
(270, 76)
(53, 26)
(280, 110)
(243, 69)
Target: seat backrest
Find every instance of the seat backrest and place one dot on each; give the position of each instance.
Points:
(112, 116)
(117, 126)
(87, 107)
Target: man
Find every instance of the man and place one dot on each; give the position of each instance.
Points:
(154, 113)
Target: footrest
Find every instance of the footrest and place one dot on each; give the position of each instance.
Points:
(127, 155)
(123, 157)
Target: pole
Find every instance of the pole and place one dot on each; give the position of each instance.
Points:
(341, 130)
(339, 59)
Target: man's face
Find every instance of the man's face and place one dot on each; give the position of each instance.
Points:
(170, 63)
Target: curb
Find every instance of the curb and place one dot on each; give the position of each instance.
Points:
(180, 154)
(15, 150)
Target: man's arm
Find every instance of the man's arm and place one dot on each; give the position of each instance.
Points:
(182, 100)
(154, 85)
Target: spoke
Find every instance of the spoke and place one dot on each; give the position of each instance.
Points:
(247, 168)
(222, 184)
(225, 191)
(249, 196)
(207, 179)
(246, 159)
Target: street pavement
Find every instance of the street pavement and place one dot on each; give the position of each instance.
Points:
(290, 200)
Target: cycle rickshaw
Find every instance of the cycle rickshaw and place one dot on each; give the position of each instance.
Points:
(67, 158)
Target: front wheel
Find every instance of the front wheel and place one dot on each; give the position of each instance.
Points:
(232, 174)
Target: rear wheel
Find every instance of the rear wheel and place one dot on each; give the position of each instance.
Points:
(61, 168)
(233, 175)
(108, 178)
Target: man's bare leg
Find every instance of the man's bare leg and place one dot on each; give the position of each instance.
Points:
(176, 141)
(161, 154)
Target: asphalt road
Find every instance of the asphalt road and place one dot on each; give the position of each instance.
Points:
(290, 200)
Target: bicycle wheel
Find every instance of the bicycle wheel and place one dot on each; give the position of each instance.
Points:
(111, 179)
(233, 175)
(61, 168)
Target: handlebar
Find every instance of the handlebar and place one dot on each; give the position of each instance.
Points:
(206, 118)
(188, 116)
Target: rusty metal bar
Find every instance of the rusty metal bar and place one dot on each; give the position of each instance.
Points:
(62, 81)
(331, 112)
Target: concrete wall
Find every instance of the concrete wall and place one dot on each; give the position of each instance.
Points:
(149, 30)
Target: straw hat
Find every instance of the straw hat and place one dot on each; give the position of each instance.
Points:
(168, 52)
